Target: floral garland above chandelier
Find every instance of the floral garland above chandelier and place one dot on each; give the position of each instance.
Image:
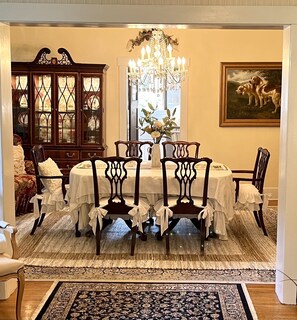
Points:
(157, 70)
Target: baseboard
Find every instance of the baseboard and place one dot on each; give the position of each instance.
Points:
(7, 288)
(273, 192)
(272, 203)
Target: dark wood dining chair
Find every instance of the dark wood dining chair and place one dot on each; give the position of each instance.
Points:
(180, 149)
(45, 183)
(116, 204)
(134, 148)
(253, 183)
(185, 205)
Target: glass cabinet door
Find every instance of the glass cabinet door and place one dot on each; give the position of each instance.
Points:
(43, 108)
(20, 106)
(92, 110)
(66, 109)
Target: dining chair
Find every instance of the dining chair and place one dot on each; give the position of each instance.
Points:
(180, 149)
(10, 266)
(110, 201)
(134, 148)
(51, 186)
(170, 209)
(250, 192)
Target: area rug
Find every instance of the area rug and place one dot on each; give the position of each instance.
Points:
(55, 253)
(132, 300)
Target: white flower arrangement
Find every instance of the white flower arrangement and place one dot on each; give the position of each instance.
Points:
(156, 128)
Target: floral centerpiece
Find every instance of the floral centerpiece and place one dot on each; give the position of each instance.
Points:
(156, 128)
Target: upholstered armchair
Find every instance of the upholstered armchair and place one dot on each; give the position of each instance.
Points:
(10, 267)
(24, 178)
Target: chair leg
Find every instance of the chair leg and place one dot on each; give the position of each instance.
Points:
(20, 292)
(41, 219)
(262, 221)
(257, 218)
(77, 232)
(167, 242)
(98, 238)
(143, 235)
(202, 235)
(133, 240)
(34, 226)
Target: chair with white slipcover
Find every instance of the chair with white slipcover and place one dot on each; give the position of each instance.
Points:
(10, 267)
(51, 186)
(110, 201)
(250, 193)
(196, 208)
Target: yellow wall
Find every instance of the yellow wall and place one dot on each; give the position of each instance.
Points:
(206, 49)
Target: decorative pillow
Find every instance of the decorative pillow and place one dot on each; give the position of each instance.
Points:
(19, 160)
(50, 168)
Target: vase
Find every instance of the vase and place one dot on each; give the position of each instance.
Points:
(156, 155)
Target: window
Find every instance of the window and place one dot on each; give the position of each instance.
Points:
(139, 100)
(129, 97)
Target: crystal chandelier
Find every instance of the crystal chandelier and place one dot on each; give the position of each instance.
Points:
(157, 70)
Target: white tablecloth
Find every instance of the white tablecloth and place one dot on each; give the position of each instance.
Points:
(220, 191)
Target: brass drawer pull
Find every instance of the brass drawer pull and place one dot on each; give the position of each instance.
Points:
(92, 155)
(70, 155)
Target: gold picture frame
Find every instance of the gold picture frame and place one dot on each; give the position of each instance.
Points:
(250, 94)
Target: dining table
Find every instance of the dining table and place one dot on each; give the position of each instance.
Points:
(80, 195)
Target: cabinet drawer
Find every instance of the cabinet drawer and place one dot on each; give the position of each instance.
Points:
(66, 165)
(86, 155)
(63, 154)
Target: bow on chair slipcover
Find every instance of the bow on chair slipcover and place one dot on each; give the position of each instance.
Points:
(164, 213)
(139, 214)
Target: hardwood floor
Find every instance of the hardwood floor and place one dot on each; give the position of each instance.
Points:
(263, 296)
(34, 292)
(267, 305)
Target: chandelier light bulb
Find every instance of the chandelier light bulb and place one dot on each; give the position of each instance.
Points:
(142, 53)
(183, 63)
(179, 62)
(169, 48)
(148, 51)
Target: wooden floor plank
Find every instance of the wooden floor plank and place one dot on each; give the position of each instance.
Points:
(263, 296)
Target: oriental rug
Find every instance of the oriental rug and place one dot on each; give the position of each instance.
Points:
(146, 300)
(54, 252)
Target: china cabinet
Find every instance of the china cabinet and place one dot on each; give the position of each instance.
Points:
(60, 104)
